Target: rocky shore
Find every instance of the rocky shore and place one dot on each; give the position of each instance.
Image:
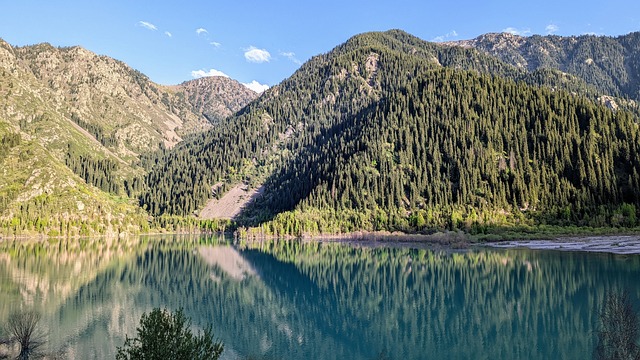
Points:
(618, 244)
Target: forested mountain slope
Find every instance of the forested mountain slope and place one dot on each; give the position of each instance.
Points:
(390, 132)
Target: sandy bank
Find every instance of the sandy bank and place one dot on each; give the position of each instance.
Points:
(615, 244)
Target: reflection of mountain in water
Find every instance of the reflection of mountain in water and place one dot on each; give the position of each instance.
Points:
(332, 301)
(228, 260)
(49, 272)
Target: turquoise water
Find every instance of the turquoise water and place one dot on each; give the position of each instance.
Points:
(293, 300)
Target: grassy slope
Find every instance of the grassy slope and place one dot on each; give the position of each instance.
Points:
(35, 184)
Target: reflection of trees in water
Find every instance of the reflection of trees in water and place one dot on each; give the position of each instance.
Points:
(257, 315)
(618, 329)
(333, 301)
(518, 304)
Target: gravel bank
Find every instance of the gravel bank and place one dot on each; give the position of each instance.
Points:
(626, 244)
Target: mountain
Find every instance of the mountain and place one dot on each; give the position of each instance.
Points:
(73, 125)
(389, 132)
(215, 97)
(611, 64)
(384, 132)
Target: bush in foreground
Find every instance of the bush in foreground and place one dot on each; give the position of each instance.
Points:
(25, 339)
(166, 335)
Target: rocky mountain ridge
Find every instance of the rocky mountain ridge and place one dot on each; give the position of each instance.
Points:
(611, 64)
(215, 97)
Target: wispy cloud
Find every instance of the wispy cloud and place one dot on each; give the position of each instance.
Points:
(291, 56)
(215, 43)
(515, 31)
(256, 86)
(212, 72)
(201, 31)
(168, 34)
(551, 29)
(441, 38)
(591, 32)
(147, 25)
(255, 55)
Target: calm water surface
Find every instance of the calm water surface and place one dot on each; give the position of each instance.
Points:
(293, 300)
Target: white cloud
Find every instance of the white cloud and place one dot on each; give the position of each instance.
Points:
(446, 36)
(201, 31)
(551, 28)
(215, 43)
(147, 25)
(212, 72)
(255, 55)
(256, 86)
(168, 34)
(291, 56)
(514, 31)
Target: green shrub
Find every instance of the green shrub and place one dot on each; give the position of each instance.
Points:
(166, 335)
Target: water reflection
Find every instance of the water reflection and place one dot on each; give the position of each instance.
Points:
(319, 301)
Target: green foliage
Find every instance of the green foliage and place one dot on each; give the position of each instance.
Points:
(97, 131)
(321, 95)
(557, 161)
(133, 187)
(165, 335)
(7, 142)
(100, 173)
(117, 106)
(190, 224)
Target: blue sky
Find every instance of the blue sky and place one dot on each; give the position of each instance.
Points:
(266, 41)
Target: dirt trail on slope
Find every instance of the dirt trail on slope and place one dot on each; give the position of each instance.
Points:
(231, 204)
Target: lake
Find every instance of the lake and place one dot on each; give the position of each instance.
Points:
(308, 300)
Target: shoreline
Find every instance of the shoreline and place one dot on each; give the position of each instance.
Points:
(624, 243)
(618, 244)
(611, 244)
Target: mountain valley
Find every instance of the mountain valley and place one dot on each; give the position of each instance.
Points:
(386, 132)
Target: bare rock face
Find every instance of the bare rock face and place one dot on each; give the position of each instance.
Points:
(105, 93)
(609, 102)
(496, 41)
(7, 56)
(609, 64)
(215, 97)
(511, 48)
(102, 93)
